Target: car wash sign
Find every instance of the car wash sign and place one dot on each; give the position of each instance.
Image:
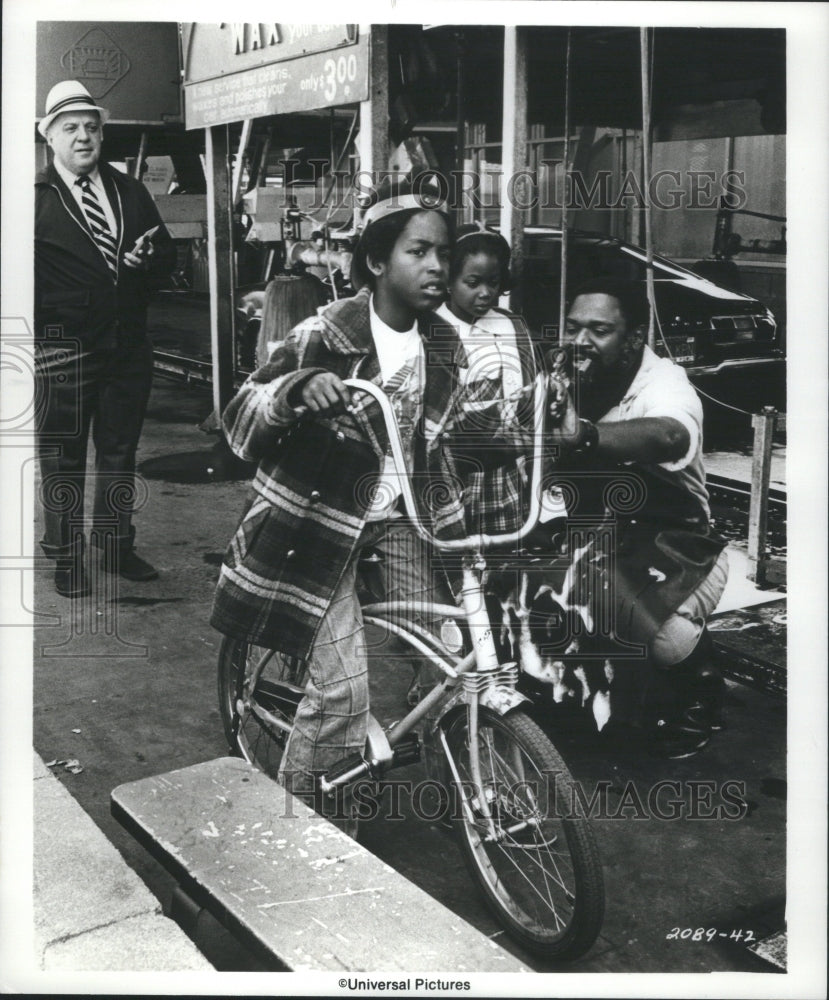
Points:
(131, 67)
(236, 70)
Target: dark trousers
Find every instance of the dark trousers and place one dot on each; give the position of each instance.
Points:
(78, 390)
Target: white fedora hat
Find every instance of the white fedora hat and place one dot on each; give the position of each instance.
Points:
(68, 95)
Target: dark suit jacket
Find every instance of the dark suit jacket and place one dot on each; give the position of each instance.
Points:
(75, 291)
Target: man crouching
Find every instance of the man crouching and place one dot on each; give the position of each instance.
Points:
(630, 443)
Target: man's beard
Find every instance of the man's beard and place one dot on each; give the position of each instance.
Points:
(599, 389)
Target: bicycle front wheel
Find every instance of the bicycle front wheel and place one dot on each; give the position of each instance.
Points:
(259, 690)
(537, 864)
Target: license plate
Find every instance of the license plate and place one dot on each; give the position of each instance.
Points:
(681, 349)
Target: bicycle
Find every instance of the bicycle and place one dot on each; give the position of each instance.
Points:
(537, 866)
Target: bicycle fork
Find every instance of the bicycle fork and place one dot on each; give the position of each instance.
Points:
(492, 684)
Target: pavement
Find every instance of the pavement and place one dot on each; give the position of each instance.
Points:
(125, 685)
(92, 912)
(736, 464)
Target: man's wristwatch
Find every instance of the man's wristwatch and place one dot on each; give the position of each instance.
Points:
(588, 437)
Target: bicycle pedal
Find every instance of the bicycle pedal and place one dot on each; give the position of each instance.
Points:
(407, 751)
(344, 771)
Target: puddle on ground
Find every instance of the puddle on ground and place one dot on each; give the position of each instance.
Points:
(196, 467)
(139, 602)
(775, 788)
(213, 558)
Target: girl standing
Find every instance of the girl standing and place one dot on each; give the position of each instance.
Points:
(498, 364)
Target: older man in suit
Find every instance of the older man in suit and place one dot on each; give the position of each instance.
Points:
(96, 230)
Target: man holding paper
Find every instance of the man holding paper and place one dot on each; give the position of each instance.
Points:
(96, 230)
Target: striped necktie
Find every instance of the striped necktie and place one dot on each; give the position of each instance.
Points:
(98, 223)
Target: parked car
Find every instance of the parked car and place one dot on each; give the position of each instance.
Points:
(729, 342)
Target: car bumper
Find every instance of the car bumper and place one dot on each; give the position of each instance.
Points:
(747, 383)
(735, 365)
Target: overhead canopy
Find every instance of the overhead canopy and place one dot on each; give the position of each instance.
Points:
(130, 67)
(691, 66)
(725, 81)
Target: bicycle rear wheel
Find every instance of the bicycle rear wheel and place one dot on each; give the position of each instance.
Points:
(537, 865)
(258, 719)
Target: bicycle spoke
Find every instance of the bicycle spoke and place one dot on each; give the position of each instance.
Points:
(547, 900)
(532, 855)
(258, 693)
(501, 771)
(539, 871)
(528, 854)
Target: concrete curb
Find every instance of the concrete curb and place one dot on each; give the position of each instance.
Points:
(92, 913)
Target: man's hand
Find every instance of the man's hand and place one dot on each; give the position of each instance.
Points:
(325, 395)
(564, 421)
(138, 258)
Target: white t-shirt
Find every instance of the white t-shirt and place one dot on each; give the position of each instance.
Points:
(397, 350)
(661, 389)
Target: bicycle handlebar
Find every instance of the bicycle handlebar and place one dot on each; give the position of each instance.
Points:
(472, 542)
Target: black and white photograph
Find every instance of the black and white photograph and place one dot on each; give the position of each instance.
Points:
(414, 495)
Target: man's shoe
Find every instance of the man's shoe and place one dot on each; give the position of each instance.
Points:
(688, 700)
(70, 579)
(678, 738)
(707, 690)
(128, 565)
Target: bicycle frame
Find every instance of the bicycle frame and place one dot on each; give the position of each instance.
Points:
(539, 871)
(483, 680)
(473, 545)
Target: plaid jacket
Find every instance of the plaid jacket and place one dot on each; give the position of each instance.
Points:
(497, 499)
(315, 477)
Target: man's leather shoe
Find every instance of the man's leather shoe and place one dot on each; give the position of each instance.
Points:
(707, 691)
(684, 736)
(687, 720)
(128, 565)
(70, 579)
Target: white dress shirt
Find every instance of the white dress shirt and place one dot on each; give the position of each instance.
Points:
(491, 349)
(70, 179)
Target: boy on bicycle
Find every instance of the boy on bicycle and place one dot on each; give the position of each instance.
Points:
(325, 486)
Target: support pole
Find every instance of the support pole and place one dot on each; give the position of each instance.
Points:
(373, 140)
(262, 171)
(238, 166)
(646, 179)
(763, 424)
(460, 127)
(636, 212)
(142, 155)
(562, 297)
(220, 264)
(514, 184)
